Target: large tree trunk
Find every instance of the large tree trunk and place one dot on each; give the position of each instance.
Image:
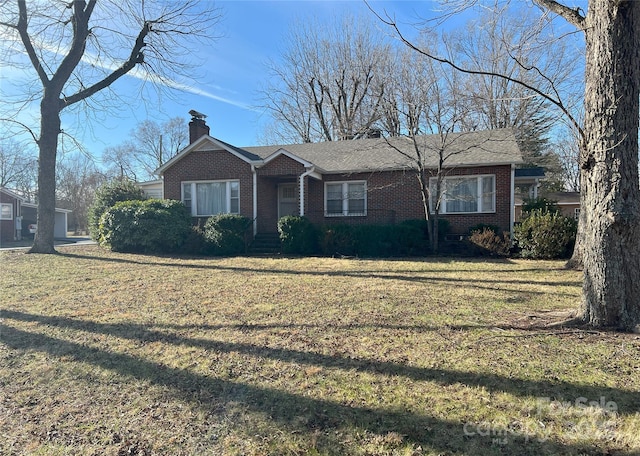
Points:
(611, 197)
(48, 146)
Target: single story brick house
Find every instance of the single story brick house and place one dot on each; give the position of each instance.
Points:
(362, 181)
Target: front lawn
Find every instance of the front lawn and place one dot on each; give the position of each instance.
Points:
(105, 353)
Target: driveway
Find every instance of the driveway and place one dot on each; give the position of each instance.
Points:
(26, 243)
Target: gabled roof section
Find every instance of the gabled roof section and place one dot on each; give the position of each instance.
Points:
(286, 153)
(478, 148)
(201, 144)
(6, 191)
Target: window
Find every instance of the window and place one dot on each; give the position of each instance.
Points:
(6, 211)
(576, 213)
(466, 194)
(345, 198)
(204, 199)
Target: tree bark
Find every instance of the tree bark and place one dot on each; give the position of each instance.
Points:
(48, 148)
(611, 195)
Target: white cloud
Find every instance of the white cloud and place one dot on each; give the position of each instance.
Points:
(137, 73)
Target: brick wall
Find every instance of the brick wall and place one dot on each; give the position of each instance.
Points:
(211, 165)
(392, 196)
(281, 169)
(282, 166)
(395, 196)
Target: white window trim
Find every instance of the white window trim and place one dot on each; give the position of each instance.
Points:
(10, 211)
(345, 201)
(478, 177)
(194, 195)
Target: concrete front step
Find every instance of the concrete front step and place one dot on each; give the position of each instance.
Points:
(265, 244)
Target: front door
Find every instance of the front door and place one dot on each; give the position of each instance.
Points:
(287, 201)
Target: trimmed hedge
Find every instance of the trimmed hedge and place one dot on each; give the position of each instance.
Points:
(298, 235)
(107, 196)
(226, 234)
(149, 226)
(546, 235)
(373, 240)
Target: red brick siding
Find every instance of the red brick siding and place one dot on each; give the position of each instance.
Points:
(267, 205)
(394, 196)
(282, 166)
(281, 169)
(211, 165)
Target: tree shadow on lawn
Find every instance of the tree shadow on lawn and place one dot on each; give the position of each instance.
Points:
(296, 413)
(628, 401)
(420, 278)
(303, 414)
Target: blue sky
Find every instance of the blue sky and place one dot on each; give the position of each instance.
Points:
(232, 73)
(252, 32)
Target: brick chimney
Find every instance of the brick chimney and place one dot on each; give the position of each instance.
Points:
(197, 126)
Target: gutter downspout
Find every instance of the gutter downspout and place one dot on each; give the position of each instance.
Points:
(512, 211)
(302, 176)
(255, 199)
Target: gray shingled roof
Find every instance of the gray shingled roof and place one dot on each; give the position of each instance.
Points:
(491, 147)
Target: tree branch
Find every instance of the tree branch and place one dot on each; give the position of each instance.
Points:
(21, 27)
(573, 16)
(557, 102)
(135, 57)
(80, 21)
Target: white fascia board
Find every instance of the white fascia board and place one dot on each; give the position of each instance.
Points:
(286, 153)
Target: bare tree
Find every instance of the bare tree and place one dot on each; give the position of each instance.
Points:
(512, 44)
(609, 184)
(77, 182)
(567, 148)
(80, 48)
(426, 103)
(330, 82)
(156, 143)
(120, 162)
(150, 145)
(17, 166)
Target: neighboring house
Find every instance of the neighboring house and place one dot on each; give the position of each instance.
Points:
(528, 182)
(361, 181)
(10, 215)
(16, 215)
(567, 202)
(152, 189)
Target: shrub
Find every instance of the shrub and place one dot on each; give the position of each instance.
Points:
(373, 240)
(490, 242)
(443, 227)
(480, 227)
(546, 235)
(149, 226)
(298, 235)
(388, 240)
(225, 234)
(195, 242)
(337, 240)
(107, 196)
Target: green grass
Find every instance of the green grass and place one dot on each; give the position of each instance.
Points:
(105, 353)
